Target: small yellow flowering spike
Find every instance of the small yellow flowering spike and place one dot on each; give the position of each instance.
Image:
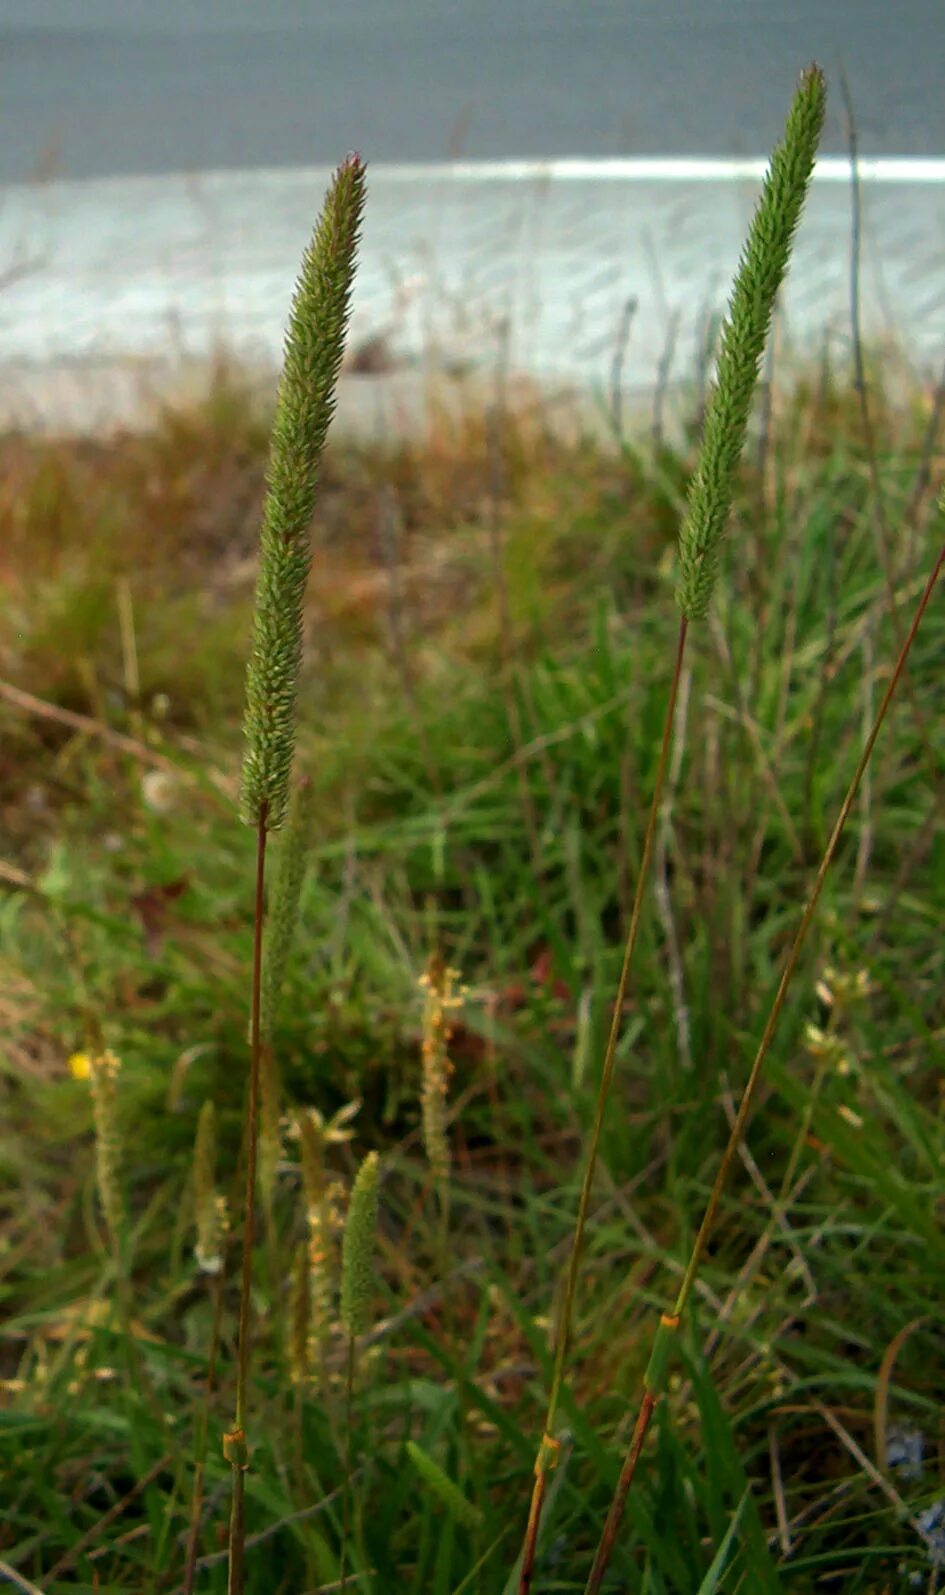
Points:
(80, 1066)
(300, 1317)
(210, 1210)
(439, 984)
(103, 1080)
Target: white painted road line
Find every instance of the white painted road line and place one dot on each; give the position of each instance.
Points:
(896, 169)
(664, 169)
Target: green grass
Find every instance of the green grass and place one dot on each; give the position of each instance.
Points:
(491, 808)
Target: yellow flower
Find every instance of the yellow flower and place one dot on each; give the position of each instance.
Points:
(80, 1066)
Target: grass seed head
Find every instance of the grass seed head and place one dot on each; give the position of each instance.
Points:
(357, 1255)
(314, 348)
(442, 998)
(760, 273)
(209, 1206)
(104, 1069)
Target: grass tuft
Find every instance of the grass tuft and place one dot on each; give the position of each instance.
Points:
(793, 1445)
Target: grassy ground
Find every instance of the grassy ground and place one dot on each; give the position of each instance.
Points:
(489, 645)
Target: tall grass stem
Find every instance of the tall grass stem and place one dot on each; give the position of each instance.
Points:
(547, 1453)
(235, 1446)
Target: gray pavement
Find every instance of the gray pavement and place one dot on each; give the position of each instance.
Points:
(98, 87)
(556, 264)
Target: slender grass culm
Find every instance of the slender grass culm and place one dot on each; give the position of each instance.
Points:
(211, 1221)
(288, 876)
(314, 348)
(357, 1291)
(760, 273)
(288, 879)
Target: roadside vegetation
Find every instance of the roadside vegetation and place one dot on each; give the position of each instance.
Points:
(489, 646)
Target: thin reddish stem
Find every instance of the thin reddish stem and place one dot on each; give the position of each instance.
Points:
(615, 1515)
(235, 1442)
(565, 1320)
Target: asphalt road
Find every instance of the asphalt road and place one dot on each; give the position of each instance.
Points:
(102, 87)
